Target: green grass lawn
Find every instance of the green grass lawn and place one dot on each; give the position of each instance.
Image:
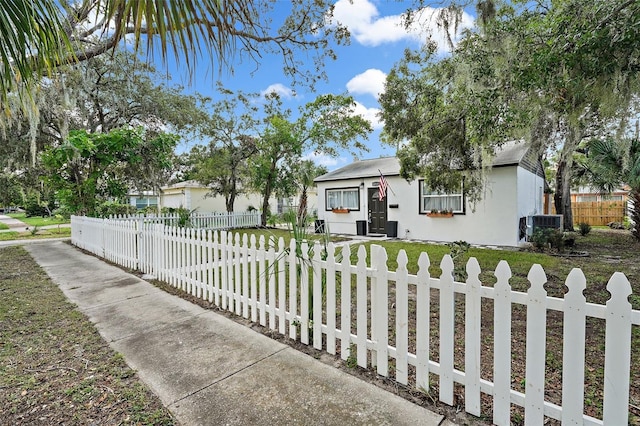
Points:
(3, 226)
(275, 234)
(42, 234)
(38, 220)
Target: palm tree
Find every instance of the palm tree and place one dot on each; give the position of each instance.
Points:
(306, 172)
(613, 163)
(40, 35)
(37, 36)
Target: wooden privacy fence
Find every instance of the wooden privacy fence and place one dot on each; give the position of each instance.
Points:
(355, 306)
(597, 213)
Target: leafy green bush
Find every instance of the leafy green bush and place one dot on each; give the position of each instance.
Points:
(112, 209)
(184, 217)
(34, 207)
(150, 210)
(548, 237)
(63, 211)
(584, 228)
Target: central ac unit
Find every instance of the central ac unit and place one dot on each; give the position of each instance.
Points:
(553, 221)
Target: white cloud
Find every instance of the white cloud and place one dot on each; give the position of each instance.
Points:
(367, 27)
(369, 82)
(280, 89)
(322, 159)
(369, 114)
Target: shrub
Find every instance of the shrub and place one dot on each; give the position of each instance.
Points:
(34, 207)
(62, 211)
(184, 217)
(112, 209)
(548, 237)
(150, 210)
(584, 228)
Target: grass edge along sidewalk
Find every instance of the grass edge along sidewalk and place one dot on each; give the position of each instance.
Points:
(54, 366)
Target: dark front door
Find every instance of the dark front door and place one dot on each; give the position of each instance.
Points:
(377, 212)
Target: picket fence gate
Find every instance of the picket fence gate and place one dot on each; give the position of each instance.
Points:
(307, 294)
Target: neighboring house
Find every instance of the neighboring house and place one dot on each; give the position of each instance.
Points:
(291, 203)
(585, 194)
(513, 192)
(589, 205)
(192, 195)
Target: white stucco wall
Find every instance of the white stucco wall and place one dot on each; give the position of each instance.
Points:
(511, 192)
(195, 198)
(173, 198)
(530, 194)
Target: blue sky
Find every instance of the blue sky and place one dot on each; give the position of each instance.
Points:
(377, 42)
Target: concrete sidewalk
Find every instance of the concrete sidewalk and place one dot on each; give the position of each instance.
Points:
(16, 225)
(208, 369)
(13, 224)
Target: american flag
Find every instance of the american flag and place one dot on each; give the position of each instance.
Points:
(382, 187)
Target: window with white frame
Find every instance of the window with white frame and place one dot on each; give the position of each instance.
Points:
(343, 198)
(144, 202)
(431, 201)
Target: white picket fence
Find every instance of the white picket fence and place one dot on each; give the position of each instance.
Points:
(314, 298)
(213, 221)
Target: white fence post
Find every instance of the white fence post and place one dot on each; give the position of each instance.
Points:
(245, 275)
(345, 303)
(331, 298)
(502, 346)
(382, 311)
(254, 278)
(262, 280)
(573, 348)
(402, 318)
(472, 326)
(617, 360)
(361, 306)
(293, 288)
(447, 322)
(304, 294)
(536, 346)
(423, 322)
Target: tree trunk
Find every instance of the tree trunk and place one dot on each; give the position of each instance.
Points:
(557, 195)
(231, 196)
(267, 194)
(302, 208)
(229, 202)
(562, 197)
(634, 212)
(265, 205)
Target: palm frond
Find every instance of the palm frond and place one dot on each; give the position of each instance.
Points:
(33, 41)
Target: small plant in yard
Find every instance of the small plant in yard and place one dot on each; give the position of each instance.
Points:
(59, 218)
(34, 230)
(543, 238)
(184, 217)
(584, 228)
(352, 359)
(458, 253)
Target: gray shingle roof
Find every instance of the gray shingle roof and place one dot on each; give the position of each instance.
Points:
(509, 154)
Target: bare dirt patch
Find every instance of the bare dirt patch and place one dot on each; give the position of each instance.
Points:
(54, 366)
